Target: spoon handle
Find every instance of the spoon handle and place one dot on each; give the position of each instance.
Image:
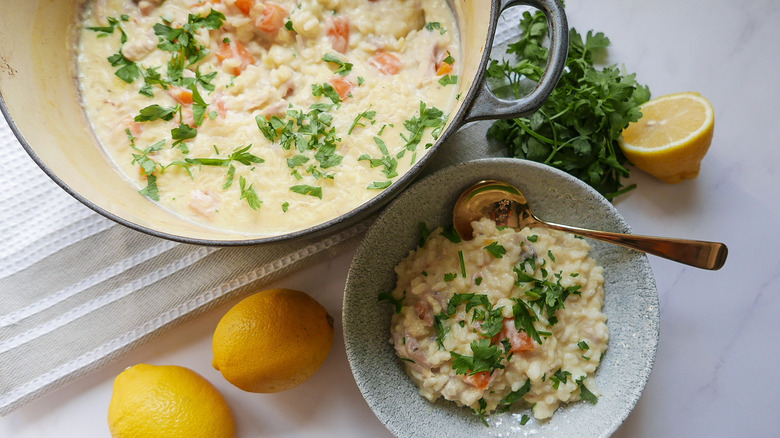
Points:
(698, 253)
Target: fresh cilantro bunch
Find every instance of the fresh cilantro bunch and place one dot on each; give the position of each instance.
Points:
(577, 128)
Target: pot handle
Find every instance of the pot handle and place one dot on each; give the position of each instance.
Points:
(486, 105)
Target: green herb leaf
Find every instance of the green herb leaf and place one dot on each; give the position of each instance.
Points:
(578, 126)
(448, 80)
(424, 233)
(487, 357)
(585, 393)
(398, 303)
(304, 189)
(559, 377)
(432, 118)
(435, 25)
(344, 68)
(248, 193)
(515, 396)
(496, 250)
(451, 234)
(368, 115)
(379, 185)
(151, 191)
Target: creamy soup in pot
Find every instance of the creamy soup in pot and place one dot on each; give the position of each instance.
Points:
(266, 117)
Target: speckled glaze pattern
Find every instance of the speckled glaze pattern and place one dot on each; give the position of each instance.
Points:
(631, 305)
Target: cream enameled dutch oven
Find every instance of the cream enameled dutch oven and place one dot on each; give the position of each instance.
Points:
(39, 98)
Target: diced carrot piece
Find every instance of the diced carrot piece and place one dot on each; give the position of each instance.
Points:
(439, 55)
(235, 49)
(386, 63)
(222, 108)
(443, 69)
(343, 86)
(181, 95)
(245, 5)
(136, 128)
(520, 340)
(479, 380)
(273, 18)
(338, 32)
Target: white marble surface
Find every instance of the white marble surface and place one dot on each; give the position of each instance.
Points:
(715, 371)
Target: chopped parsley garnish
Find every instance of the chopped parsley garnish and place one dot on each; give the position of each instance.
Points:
(241, 155)
(104, 31)
(524, 319)
(481, 411)
(533, 238)
(297, 160)
(462, 264)
(449, 276)
(492, 319)
(424, 233)
(182, 41)
(307, 190)
(486, 357)
(524, 419)
(151, 191)
(388, 163)
(514, 396)
(478, 281)
(451, 235)
(379, 185)
(429, 118)
(307, 132)
(199, 106)
(583, 345)
(496, 250)
(585, 393)
(285, 207)
(368, 115)
(435, 25)
(248, 193)
(156, 112)
(559, 377)
(396, 302)
(548, 296)
(448, 80)
(327, 90)
(343, 67)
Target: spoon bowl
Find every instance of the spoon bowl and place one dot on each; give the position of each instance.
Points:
(507, 206)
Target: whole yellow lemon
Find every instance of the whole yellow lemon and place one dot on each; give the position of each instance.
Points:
(167, 401)
(272, 341)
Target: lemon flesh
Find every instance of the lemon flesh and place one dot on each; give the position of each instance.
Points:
(672, 137)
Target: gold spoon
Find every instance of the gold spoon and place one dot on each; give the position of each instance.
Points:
(507, 206)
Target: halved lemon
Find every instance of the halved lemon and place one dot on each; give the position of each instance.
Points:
(672, 137)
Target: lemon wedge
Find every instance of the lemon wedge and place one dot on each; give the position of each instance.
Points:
(672, 137)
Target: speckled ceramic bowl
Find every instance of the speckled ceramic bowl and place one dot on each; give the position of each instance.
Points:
(631, 305)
